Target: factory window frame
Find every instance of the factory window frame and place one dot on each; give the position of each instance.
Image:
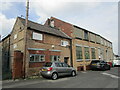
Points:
(86, 35)
(93, 53)
(86, 53)
(37, 58)
(79, 53)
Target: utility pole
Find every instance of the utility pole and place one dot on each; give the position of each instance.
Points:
(25, 42)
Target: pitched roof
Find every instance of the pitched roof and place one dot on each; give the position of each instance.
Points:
(45, 29)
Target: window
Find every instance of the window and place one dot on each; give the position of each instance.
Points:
(31, 58)
(78, 32)
(111, 45)
(48, 64)
(86, 52)
(15, 46)
(99, 53)
(64, 65)
(64, 43)
(85, 35)
(98, 40)
(93, 53)
(15, 36)
(105, 42)
(37, 58)
(79, 52)
(55, 58)
(92, 37)
(58, 65)
(101, 41)
(37, 36)
(52, 23)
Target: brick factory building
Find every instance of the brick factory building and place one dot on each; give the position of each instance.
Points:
(86, 45)
(55, 41)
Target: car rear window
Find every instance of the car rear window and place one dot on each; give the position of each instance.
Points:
(48, 64)
(95, 61)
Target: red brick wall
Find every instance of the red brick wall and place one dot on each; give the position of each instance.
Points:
(47, 57)
(36, 64)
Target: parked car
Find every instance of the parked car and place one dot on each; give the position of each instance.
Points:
(116, 62)
(110, 63)
(55, 69)
(99, 64)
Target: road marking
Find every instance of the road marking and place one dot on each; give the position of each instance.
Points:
(58, 80)
(83, 72)
(113, 76)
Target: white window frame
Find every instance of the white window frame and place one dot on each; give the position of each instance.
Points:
(52, 23)
(64, 43)
(52, 57)
(14, 46)
(37, 36)
(15, 36)
(39, 57)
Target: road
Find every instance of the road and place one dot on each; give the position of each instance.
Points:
(88, 79)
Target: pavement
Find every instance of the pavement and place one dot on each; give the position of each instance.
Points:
(88, 79)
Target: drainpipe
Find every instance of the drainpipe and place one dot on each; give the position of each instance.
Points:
(71, 51)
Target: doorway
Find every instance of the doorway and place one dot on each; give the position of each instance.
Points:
(66, 59)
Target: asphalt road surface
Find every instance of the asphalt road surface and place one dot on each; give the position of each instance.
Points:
(88, 79)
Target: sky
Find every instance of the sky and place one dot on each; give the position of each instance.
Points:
(98, 16)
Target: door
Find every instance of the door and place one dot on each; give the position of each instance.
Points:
(17, 65)
(66, 60)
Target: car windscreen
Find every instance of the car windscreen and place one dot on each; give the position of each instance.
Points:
(47, 64)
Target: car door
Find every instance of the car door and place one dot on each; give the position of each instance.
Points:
(67, 69)
(59, 68)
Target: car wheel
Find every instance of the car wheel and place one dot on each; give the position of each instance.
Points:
(73, 73)
(54, 76)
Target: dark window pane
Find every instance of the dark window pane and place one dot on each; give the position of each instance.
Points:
(87, 56)
(79, 52)
(93, 53)
(31, 58)
(36, 58)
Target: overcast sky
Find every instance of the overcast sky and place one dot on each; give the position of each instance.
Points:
(96, 16)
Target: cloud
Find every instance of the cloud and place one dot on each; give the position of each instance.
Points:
(46, 8)
(97, 17)
(5, 6)
(6, 25)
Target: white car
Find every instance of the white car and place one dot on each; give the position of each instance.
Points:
(116, 62)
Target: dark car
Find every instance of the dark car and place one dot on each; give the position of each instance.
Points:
(100, 65)
(55, 69)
